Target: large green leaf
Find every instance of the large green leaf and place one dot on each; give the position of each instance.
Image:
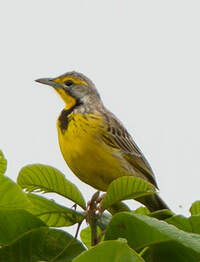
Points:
(169, 252)
(143, 231)
(3, 163)
(126, 187)
(52, 214)
(110, 251)
(195, 208)
(190, 224)
(43, 244)
(14, 223)
(11, 195)
(46, 179)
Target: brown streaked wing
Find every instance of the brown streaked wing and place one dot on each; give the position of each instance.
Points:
(117, 137)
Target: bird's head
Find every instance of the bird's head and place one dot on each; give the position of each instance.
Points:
(74, 88)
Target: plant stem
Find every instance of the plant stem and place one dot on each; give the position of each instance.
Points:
(92, 218)
(93, 225)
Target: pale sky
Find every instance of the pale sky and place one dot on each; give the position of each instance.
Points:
(143, 56)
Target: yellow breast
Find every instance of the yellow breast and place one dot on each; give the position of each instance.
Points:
(85, 153)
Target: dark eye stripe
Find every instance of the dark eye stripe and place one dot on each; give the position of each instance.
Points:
(69, 83)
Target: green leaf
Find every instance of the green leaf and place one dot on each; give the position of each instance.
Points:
(126, 187)
(142, 211)
(162, 214)
(43, 244)
(195, 223)
(159, 214)
(190, 224)
(51, 213)
(42, 178)
(195, 208)
(11, 195)
(3, 163)
(14, 223)
(118, 207)
(110, 251)
(85, 236)
(169, 252)
(144, 231)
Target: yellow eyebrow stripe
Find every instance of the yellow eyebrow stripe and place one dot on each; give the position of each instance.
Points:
(77, 81)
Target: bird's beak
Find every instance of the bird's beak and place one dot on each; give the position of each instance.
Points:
(49, 82)
(46, 81)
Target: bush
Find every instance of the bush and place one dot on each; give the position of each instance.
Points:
(29, 222)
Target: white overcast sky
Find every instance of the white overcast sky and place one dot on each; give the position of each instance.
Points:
(143, 56)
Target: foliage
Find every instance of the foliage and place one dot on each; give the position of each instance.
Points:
(29, 222)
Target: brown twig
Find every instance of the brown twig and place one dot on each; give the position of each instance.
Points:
(77, 230)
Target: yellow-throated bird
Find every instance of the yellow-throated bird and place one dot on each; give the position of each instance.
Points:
(94, 143)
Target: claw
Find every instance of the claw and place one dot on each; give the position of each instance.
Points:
(94, 205)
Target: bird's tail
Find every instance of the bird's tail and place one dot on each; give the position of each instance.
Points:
(153, 202)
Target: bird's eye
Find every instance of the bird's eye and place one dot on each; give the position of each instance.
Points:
(69, 83)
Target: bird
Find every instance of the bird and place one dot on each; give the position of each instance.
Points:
(94, 143)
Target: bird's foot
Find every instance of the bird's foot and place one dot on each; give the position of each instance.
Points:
(99, 206)
(94, 205)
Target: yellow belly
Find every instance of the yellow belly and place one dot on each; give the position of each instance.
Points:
(89, 158)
